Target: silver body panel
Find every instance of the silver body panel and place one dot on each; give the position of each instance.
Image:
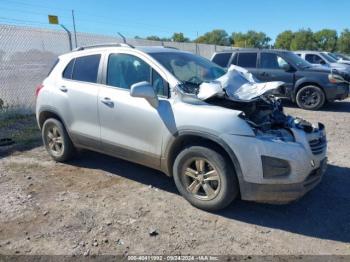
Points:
(130, 128)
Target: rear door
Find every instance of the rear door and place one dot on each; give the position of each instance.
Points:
(222, 59)
(78, 93)
(247, 60)
(271, 69)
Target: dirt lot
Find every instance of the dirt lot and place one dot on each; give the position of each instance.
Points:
(101, 205)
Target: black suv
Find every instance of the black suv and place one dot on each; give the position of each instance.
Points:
(307, 85)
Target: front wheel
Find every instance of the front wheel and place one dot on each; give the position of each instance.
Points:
(310, 98)
(205, 178)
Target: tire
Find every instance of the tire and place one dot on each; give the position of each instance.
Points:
(222, 179)
(310, 97)
(56, 140)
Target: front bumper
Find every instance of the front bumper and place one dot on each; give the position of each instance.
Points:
(337, 91)
(307, 164)
(283, 193)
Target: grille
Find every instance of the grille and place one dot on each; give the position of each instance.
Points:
(318, 145)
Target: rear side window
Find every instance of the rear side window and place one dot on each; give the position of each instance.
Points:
(67, 73)
(86, 68)
(222, 59)
(53, 66)
(247, 60)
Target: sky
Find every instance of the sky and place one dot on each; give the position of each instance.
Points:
(192, 17)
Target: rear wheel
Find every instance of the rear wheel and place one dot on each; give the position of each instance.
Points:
(57, 141)
(310, 97)
(205, 178)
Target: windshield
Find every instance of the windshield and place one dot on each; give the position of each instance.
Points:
(296, 60)
(189, 68)
(333, 56)
(341, 56)
(328, 58)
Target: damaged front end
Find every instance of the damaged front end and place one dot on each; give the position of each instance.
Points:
(239, 90)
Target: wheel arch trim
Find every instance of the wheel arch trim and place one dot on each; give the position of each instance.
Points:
(179, 136)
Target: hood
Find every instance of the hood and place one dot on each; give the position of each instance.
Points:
(318, 68)
(340, 66)
(237, 85)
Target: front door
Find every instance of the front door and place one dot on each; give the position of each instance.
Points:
(130, 127)
(271, 69)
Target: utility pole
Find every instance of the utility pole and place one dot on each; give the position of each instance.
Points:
(75, 32)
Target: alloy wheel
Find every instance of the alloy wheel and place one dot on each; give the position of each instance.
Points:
(55, 141)
(201, 179)
(310, 97)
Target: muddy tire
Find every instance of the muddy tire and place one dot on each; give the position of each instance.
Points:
(310, 97)
(205, 178)
(56, 140)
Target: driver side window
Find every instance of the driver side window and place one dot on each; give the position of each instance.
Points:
(124, 70)
(272, 61)
(314, 59)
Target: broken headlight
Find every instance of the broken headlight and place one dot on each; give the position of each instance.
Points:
(275, 135)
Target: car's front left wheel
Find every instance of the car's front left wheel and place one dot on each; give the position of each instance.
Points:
(205, 178)
(57, 141)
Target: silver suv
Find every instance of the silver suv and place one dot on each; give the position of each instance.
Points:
(182, 114)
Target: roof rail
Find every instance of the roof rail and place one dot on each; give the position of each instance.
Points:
(102, 45)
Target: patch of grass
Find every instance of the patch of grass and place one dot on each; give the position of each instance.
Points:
(22, 129)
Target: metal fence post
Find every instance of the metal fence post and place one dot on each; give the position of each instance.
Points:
(69, 37)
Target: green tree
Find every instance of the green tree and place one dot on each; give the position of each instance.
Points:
(215, 37)
(157, 38)
(326, 40)
(344, 42)
(284, 40)
(153, 38)
(250, 39)
(179, 37)
(303, 40)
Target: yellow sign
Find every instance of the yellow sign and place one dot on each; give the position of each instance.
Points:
(53, 19)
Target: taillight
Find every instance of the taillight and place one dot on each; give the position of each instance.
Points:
(37, 89)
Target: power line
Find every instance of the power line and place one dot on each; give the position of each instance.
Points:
(93, 15)
(30, 12)
(21, 20)
(35, 5)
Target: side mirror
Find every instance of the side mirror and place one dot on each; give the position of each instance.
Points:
(322, 62)
(287, 67)
(146, 91)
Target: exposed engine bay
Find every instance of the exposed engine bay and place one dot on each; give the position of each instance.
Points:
(239, 90)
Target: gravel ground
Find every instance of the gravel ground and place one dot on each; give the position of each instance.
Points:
(101, 205)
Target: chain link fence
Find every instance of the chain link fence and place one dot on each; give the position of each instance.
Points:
(27, 55)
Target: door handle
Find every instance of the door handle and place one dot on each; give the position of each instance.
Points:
(107, 101)
(63, 89)
(264, 74)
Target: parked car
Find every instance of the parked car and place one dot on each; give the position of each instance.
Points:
(184, 115)
(343, 59)
(309, 86)
(324, 59)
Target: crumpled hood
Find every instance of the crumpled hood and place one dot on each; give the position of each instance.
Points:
(238, 84)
